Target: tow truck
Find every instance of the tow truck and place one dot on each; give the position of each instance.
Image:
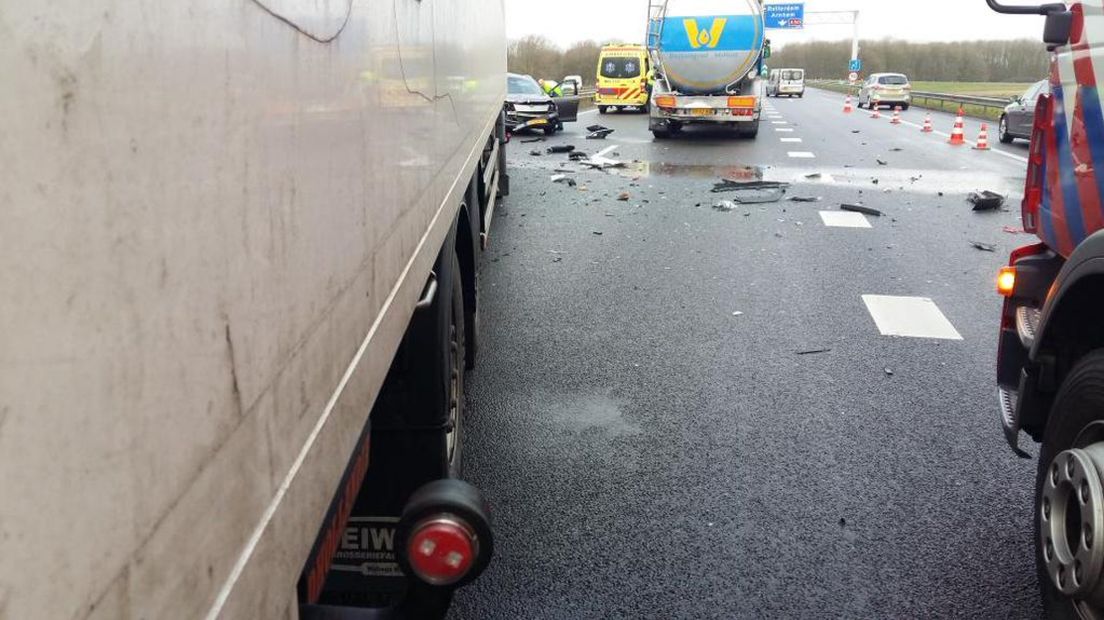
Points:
(1050, 362)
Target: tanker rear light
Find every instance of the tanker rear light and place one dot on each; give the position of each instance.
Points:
(666, 101)
(442, 549)
(741, 102)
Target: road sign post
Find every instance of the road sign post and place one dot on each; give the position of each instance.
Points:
(789, 16)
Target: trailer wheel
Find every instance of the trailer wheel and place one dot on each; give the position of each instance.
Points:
(1069, 496)
(457, 363)
(749, 130)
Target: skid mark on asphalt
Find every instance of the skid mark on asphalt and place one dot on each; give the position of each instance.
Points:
(909, 317)
(801, 155)
(843, 219)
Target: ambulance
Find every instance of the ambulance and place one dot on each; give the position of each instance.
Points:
(622, 78)
(1050, 361)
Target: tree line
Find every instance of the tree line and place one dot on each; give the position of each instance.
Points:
(537, 56)
(1019, 60)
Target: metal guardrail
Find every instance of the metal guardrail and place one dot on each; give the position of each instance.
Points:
(942, 99)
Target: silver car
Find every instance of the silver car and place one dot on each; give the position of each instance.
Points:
(886, 89)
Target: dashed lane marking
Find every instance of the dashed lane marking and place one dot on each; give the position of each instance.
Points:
(909, 317)
(784, 129)
(843, 219)
(790, 139)
(801, 155)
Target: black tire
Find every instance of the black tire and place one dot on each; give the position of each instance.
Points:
(602, 109)
(905, 108)
(749, 130)
(549, 130)
(1079, 402)
(661, 134)
(457, 365)
(1002, 131)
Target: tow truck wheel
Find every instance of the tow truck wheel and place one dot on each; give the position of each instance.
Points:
(1002, 131)
(1069, 496)
(603, 109)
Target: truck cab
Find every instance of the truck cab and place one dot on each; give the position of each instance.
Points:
(1050, 360)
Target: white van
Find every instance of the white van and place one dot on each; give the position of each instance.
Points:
(787, 82)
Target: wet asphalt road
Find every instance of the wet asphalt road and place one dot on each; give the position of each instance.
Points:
(650, 437)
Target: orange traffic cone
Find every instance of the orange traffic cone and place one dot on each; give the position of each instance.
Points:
(847, 105)
(877, 112)
(927, 128)
(958, 134)
(983, 138)
(896, 120)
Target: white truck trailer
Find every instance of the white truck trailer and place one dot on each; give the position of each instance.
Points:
(708, 58)
(240, 290)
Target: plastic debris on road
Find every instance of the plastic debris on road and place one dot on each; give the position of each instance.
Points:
(984, 247)
(986, 200)
(563, 178)
(813, 351)
(598, 132)
(860, 209)
(577, 155)
(752, 192)
(724, 206)
(804, 198)
(560, 148)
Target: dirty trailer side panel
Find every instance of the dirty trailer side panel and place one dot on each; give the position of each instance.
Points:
(220, 217)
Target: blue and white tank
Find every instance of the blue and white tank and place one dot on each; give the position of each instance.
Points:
(705, 45)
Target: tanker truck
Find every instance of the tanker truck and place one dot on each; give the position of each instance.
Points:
(241, 292)
(708, 57)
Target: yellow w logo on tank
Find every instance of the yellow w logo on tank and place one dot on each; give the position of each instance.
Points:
(705, 38)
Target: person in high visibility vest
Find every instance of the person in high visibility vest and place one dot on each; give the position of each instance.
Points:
(551, 88)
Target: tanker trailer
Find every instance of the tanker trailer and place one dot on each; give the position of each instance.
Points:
(708, 57)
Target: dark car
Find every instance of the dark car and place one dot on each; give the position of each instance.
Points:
(529, 107)
(1019, 116)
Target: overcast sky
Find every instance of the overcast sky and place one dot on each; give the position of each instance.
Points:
(568, 21)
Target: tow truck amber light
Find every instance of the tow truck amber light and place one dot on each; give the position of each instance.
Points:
(1006, 281)
(665, 101)
(442, 550)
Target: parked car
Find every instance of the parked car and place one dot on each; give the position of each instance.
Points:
(527, 106)
(1019, 116)
(886, 89)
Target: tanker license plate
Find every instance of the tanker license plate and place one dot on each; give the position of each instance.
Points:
(701, 112)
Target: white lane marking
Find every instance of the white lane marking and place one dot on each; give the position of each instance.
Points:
(909, 317)
(843, 219)
(969, 144)
(801, 155)
(779, 123)
(790, 139)
(606, 151)
(784, 129)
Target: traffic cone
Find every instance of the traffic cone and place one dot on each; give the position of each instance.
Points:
(877, 112)
(896, 120)
(983, 138)
(958, 134)
(847, 105)
(927, 128)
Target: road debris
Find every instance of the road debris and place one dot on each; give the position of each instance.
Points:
(535, 153)
(724, 206)
(624, 197)
(596, 233)
(560, 148)
(860, 209)
(805, 199)
(752, 192)
(813, 351)
(889, 372)
(563, 178)
(882, 162)
(984, 247)
(577, 155)
(814, 176)
(985, 200)
(1012, 230)
(896, 149)
(598, 132)
(532, 140)
(737, 313)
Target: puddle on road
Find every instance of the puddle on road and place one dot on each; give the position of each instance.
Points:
(587, 412)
